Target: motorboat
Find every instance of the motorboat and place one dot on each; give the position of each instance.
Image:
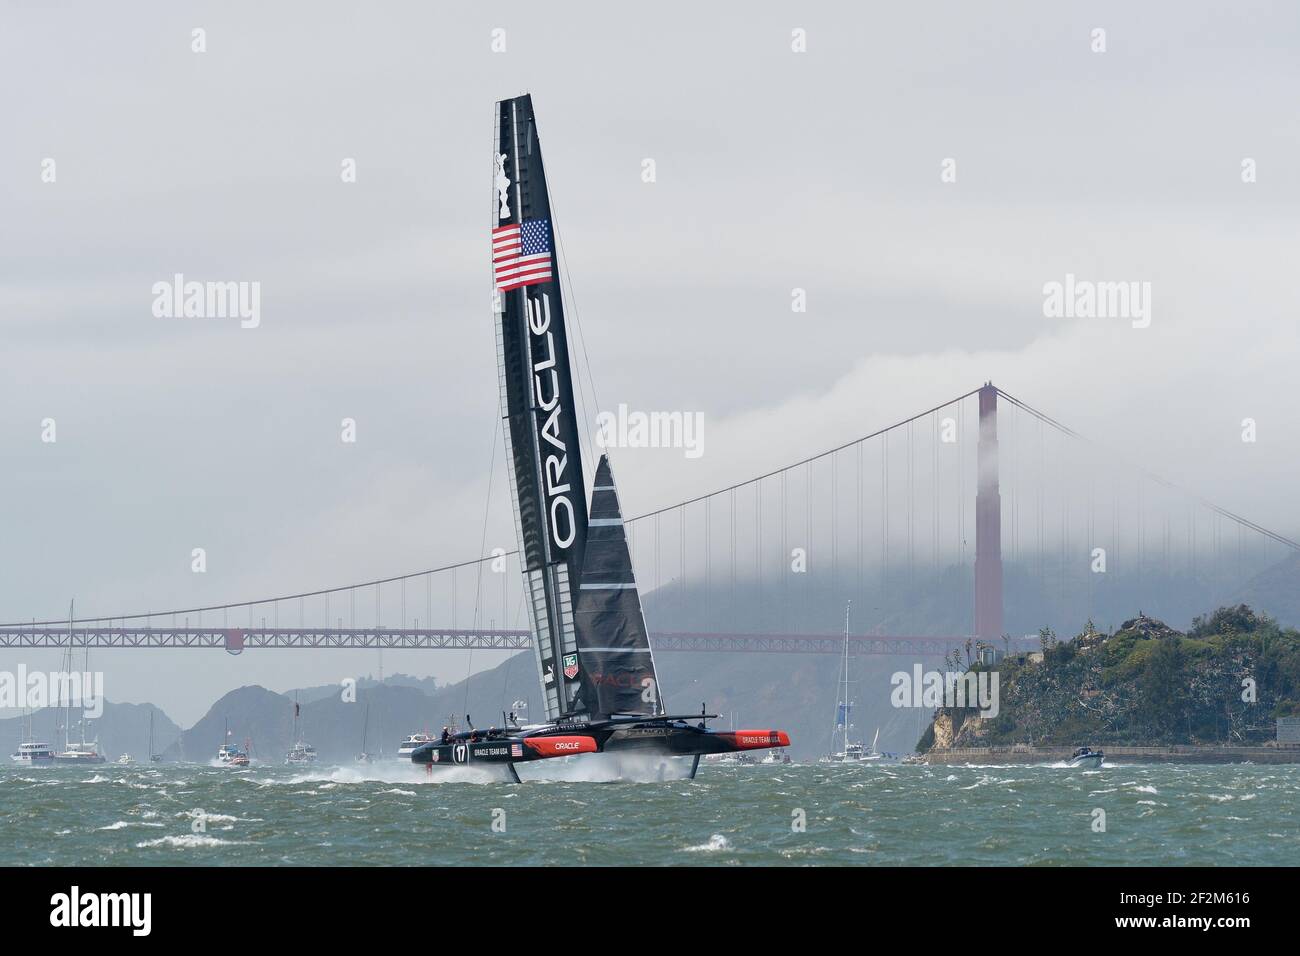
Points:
(33, 752)
(1086, 757)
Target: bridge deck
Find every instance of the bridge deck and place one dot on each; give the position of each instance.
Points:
(236, 640)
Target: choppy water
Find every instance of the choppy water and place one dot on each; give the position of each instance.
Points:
(880, 814)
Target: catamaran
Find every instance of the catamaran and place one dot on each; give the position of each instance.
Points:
(599, 686)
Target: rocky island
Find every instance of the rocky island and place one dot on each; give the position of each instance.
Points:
(1144, 692)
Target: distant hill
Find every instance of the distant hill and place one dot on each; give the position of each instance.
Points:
(335, 727)
(1276, 588)
(123, 728)
(795, 693)
(307, 694)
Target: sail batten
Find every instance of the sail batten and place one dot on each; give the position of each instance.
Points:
(613, 642)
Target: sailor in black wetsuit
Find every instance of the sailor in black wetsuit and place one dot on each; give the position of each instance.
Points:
(446, 735)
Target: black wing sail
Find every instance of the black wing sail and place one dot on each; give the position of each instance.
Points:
(540, 417)
(617, 666)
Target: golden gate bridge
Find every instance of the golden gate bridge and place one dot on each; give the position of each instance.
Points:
(756, 566)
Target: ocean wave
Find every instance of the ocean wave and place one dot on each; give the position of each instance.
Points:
(123, 824)
(188, 841)
(716, 843)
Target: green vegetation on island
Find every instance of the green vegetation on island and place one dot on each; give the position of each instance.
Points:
(1224, 682)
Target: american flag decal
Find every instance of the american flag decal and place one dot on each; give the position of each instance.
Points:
(521, 254)
(516, 750)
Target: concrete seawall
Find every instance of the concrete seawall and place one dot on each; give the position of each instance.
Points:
(1176, 754)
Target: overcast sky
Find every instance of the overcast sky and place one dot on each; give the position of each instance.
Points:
(775, 170)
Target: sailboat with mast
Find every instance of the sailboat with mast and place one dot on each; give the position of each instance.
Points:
(599, 685)
(849, 751)
(228, 754)
(153, 756)
(301, 752)
(364, 755)
(82, 752)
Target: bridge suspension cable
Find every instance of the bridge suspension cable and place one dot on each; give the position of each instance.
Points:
(1150, 476)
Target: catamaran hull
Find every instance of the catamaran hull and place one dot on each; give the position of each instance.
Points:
(509, 750)
(672, 740)
(692, 741)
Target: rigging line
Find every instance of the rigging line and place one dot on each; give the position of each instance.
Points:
(1150, 476)
(590, 378)
(810, 459)
(478, 584)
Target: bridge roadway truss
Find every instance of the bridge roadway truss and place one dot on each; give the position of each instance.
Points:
(236, 640)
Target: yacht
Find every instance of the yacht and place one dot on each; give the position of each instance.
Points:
(849, 751)
(364, 756)
(301, 752)
(853, 753)
(33, 752)
(83, 752)
(409, 745)
(153, 757)
(776, 756)
(228, 755)
(1086, 757)
(80, 753)
(125, 760)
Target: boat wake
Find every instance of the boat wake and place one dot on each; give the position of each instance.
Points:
(608, 768)
(395, 773)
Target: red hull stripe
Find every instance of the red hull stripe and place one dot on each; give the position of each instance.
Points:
(757, 739)
(560, 746)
